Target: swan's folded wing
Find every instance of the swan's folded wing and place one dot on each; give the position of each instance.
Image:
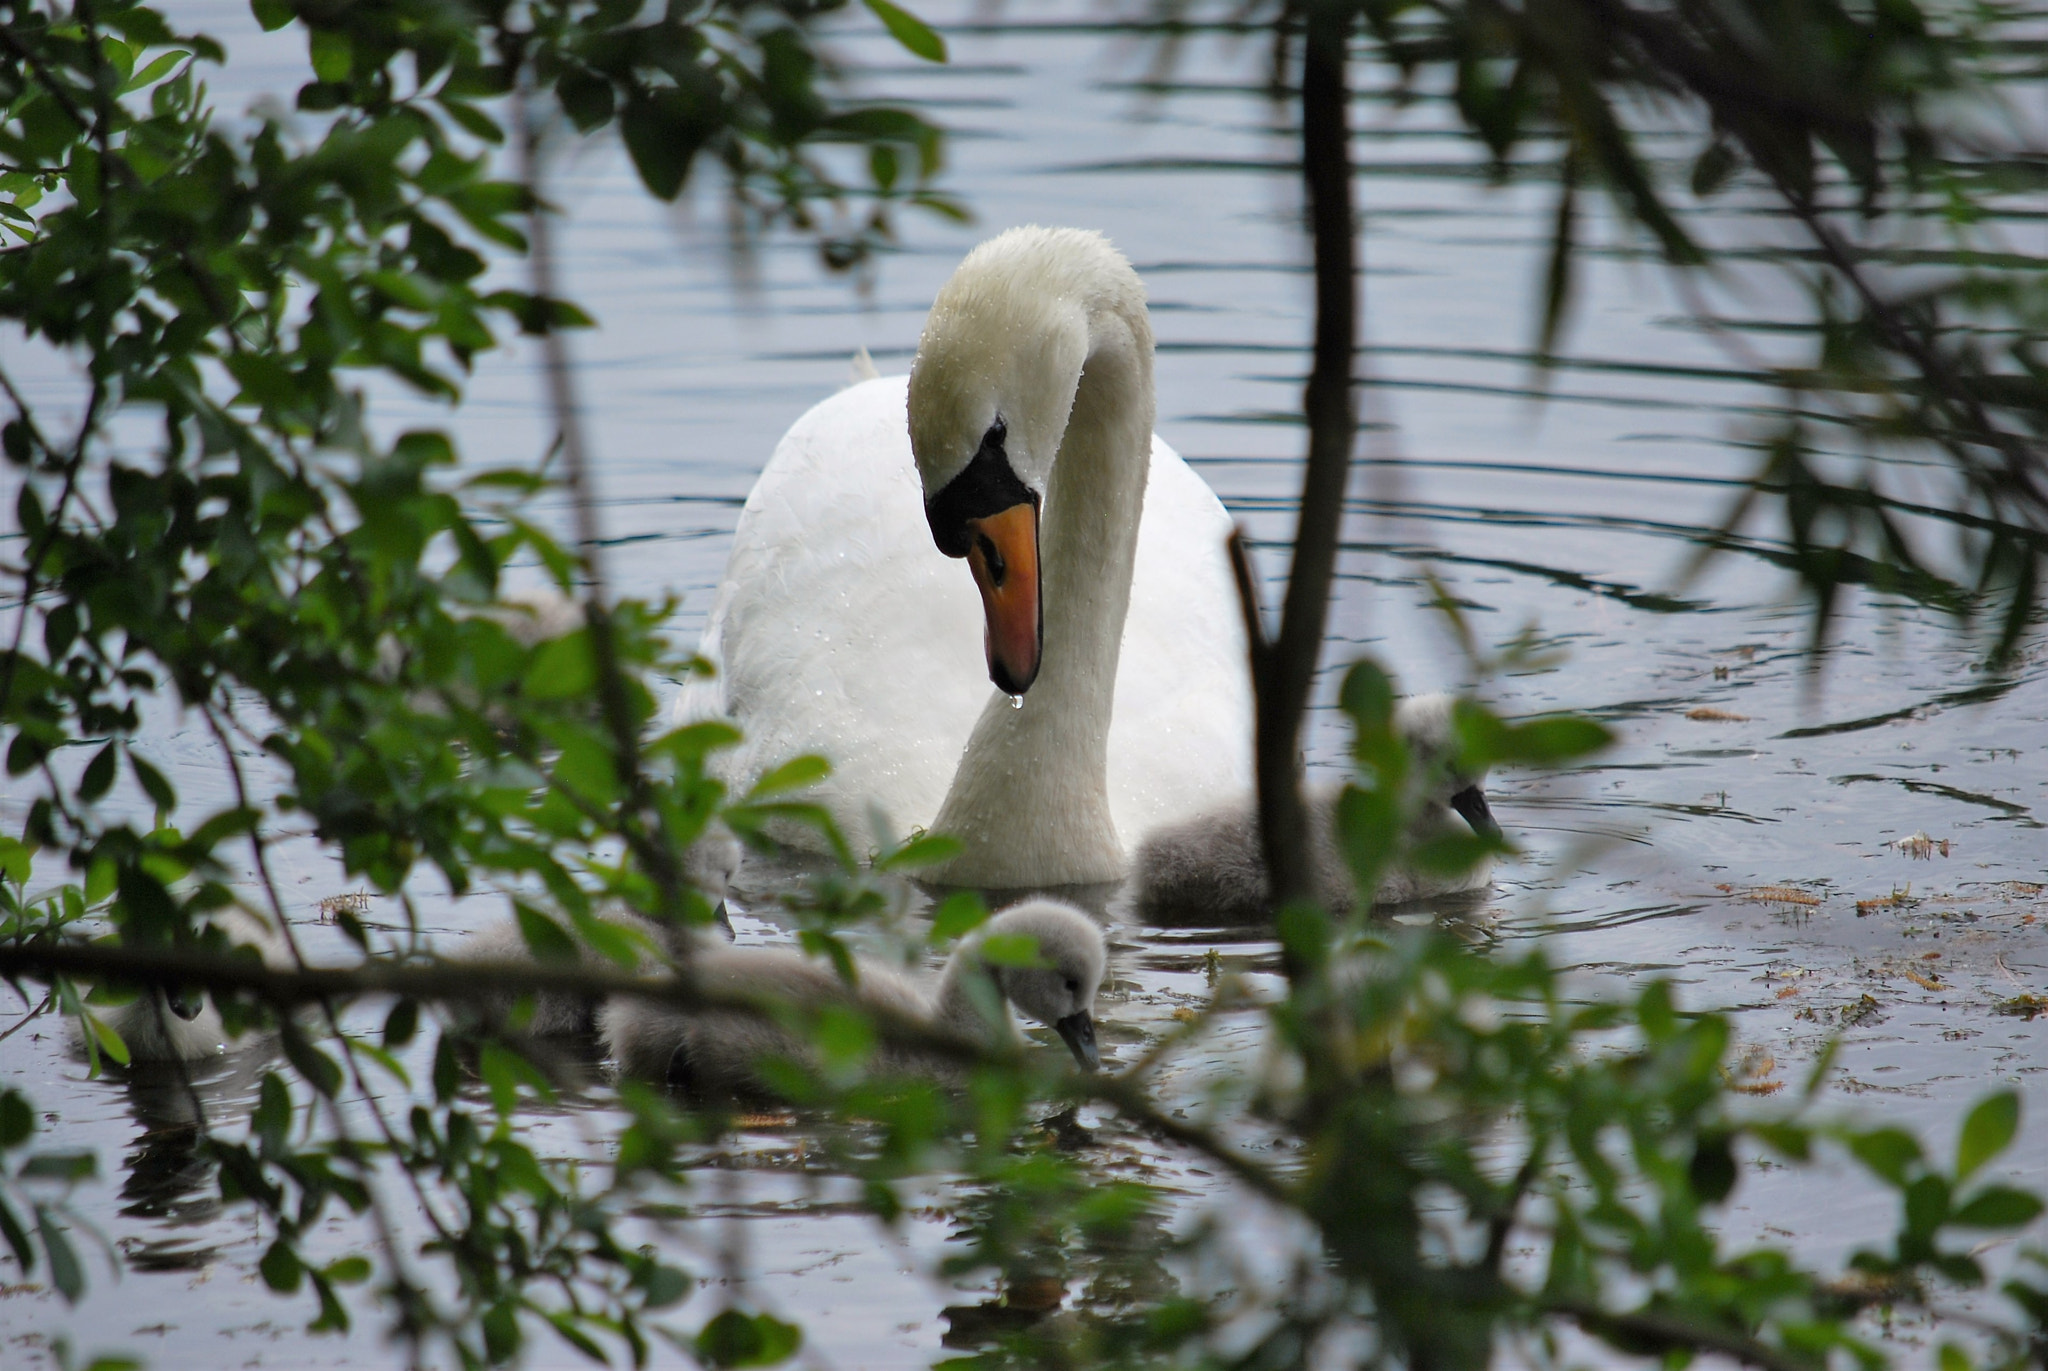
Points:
(839, 628)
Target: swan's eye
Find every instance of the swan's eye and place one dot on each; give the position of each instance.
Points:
(1073, 986)
(992, 558)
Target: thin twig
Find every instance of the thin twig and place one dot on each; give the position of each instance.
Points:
(653, 850)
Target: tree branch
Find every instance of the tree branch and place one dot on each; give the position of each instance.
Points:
(1331, 407)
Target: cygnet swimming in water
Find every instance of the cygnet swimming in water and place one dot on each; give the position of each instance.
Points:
(180, 1024)
(1212, 869)
(715, 1053)
(710, 862)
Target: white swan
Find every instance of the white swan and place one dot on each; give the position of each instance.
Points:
(1212, 869)
(718, 1053)
(710, 863)
(839, 627)
(180, 1024)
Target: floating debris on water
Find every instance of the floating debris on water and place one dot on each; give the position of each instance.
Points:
(1750, 1073)
(1900, 898)
(1920, 847)
(1865, 1010)
(352, 902)
(764, 1121)
(1772, 894)
(2022, 1006)
(1706, 714)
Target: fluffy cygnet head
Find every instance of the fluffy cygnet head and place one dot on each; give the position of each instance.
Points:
(1060, 990)
(1425, 725)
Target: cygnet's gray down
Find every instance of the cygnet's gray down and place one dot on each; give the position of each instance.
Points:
(714, 1054)
(710, 863)
(180, 1024)
(1212, 869)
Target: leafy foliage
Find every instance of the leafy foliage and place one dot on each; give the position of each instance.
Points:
(1890, 141)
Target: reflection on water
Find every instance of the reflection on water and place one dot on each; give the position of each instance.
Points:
(1741, 773)
(167, 1176)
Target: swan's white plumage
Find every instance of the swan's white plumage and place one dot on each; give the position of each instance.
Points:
(840, 629)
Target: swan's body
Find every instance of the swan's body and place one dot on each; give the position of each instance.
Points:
(840, 628)
(1212, 869)
(183, 1026)
(710, 863)
(717, 1053)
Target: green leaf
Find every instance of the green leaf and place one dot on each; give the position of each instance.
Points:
(662, 133)
(101, 1036)
(961, 912)
(401, 1024)
(154, 72)
(17, 859)
(474, 121)
(17, 1120)
(794, 774)
(66, 1167)
(1997, 1206)
(65, 1271)
(1011, 949)
(447, 1069)
(909, 30)
(282, 1270)
(504, 1071)
(562, 668)
(736, 1339)
(153, 784)
(331, 53)
(545, 937)
(271, 15)
(1988, 1131)
(1887, 1152)
(99, 775)
(926, 849)
(16, 1234)
(348, 1270)
(1367, 695)
(1547, 742)
(1927, 1205)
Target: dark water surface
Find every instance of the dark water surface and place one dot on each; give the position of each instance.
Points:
(1570, 518)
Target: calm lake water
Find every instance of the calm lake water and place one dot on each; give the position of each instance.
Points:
(1571, 517)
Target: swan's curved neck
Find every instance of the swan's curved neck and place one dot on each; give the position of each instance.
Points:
(1030, 798)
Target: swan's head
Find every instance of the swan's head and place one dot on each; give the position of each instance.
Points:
(990, 394)
(1060, 990)
(1425, 725)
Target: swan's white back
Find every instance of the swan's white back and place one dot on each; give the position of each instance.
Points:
(841, 630)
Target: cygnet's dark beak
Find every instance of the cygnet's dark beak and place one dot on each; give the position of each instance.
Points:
(185, 1001)
(1471, 804)
(1079, 1031)
(723, 918)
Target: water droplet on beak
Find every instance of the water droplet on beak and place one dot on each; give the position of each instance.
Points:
(1016, 702)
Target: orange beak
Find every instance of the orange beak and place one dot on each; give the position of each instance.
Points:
(1003, 554)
